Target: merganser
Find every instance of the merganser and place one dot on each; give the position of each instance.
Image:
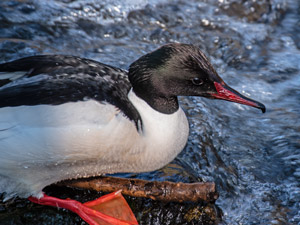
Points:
(65, 117)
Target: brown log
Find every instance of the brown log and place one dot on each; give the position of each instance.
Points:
(156, 190)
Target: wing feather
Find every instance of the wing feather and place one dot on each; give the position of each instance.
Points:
(58, 79)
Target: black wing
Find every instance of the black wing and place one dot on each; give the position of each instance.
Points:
(57, 79)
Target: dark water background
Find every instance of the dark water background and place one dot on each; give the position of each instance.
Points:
(253, 158)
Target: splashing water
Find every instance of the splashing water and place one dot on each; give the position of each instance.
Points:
(253, 158)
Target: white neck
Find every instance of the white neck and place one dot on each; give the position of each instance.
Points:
(164, 135)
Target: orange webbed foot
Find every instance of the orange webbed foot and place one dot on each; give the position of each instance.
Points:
(108, 209)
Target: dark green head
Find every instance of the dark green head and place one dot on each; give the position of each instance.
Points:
(179, 70)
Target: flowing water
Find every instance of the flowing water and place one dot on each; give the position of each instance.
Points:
(253, 158)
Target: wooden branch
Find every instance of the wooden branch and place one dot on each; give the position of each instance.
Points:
(156, 190)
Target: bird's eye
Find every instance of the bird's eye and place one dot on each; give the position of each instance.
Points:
(197, 81)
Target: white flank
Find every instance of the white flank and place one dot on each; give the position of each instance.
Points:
(43, 144)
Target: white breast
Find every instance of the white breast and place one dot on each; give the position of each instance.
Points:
(40, 145)
(164, 135)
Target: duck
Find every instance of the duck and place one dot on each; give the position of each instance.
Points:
(66, 117)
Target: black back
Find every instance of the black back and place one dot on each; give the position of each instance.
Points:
(57, 79)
